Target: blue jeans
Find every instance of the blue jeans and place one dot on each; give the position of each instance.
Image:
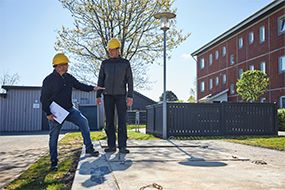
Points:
(76, 118)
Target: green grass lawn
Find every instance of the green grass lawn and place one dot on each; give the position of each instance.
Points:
(277, 143)
(272, 142)
(130, 127)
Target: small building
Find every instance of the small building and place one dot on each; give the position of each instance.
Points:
(21, 111)
(257, 43)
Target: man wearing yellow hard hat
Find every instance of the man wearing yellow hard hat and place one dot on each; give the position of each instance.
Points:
(116, 77)
(57, 87)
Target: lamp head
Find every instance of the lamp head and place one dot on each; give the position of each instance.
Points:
(164, 19)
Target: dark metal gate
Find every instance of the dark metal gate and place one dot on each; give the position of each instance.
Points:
(218, 119)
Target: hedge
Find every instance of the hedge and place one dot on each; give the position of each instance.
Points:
(281, 119)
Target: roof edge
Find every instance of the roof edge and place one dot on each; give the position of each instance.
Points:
(240, 25)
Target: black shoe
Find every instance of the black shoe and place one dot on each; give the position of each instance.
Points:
(53, 168)
(124, 150)
(110, 149)
(92, 152)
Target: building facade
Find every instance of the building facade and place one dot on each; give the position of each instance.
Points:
(258, 42)
(21, 111)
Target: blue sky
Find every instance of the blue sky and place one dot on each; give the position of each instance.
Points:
(28, 30)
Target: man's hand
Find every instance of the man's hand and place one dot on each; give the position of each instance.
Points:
(51, 117)
(130, 101)
(98, 101)
(98, 88)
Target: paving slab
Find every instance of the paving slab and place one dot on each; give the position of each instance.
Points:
(18, 152)
(187, 164)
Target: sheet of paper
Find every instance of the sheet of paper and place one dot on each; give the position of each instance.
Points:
(59, 112)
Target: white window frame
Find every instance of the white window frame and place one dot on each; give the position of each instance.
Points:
(262, 100)
(224, 78)
(232, 89)
(217, 81)
(224, 51)
(211, 84)
(251, 67)
(263, 67)
(240, 42)
(202, 86)
(232, 59)
(262, 34)
(217, 54)
(281, 64)
(211, 59)
(280, 99)
(240, 71)
(251, 38)
(202, 63)
(281, 25)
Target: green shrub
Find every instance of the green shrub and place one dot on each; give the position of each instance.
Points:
(281, 119)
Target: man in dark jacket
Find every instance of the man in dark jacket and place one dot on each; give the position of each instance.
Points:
(115, 74)
(57, 87)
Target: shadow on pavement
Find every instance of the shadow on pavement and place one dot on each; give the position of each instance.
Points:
(100, 170)
(202, 163)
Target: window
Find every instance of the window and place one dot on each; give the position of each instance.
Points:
(282, 102)
(240, 42)
(224, 78)
(202, 63)
(240, 72)
(232, 89)
(282, 64)
(211, 84)
(251, 67)
(281, 25)
(262, 100)
(224, 51)
(202, 86)
(262, 67)
(210, 59)
(251, 38)
(217, 54)
(262, 34)
(232, 59)
(217, 81)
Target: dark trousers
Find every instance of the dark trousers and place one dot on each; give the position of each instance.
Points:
(110, 101)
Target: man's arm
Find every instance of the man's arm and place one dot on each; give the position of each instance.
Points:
(45, 98)
(129, 79)
(101, 80)
(81, 86)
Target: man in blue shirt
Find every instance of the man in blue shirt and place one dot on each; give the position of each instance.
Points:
(57, 87)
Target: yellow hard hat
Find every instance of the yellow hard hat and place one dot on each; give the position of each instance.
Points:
(114, 43)
(59, 58)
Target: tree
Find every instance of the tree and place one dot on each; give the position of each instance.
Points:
(132, 21)
(192, 98)
(8, 79)
(252, 85)
(170, 96)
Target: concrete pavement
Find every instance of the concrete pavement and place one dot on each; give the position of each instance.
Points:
(174, 164)
(18, 152)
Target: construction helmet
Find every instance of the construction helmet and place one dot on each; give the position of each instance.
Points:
(114, 43)
(59, 58)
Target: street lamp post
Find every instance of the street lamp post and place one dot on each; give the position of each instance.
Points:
(164, 19)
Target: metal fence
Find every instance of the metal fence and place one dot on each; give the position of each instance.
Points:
(213, 119)
(133, 119)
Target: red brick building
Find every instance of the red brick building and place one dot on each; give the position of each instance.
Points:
(258, 42)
